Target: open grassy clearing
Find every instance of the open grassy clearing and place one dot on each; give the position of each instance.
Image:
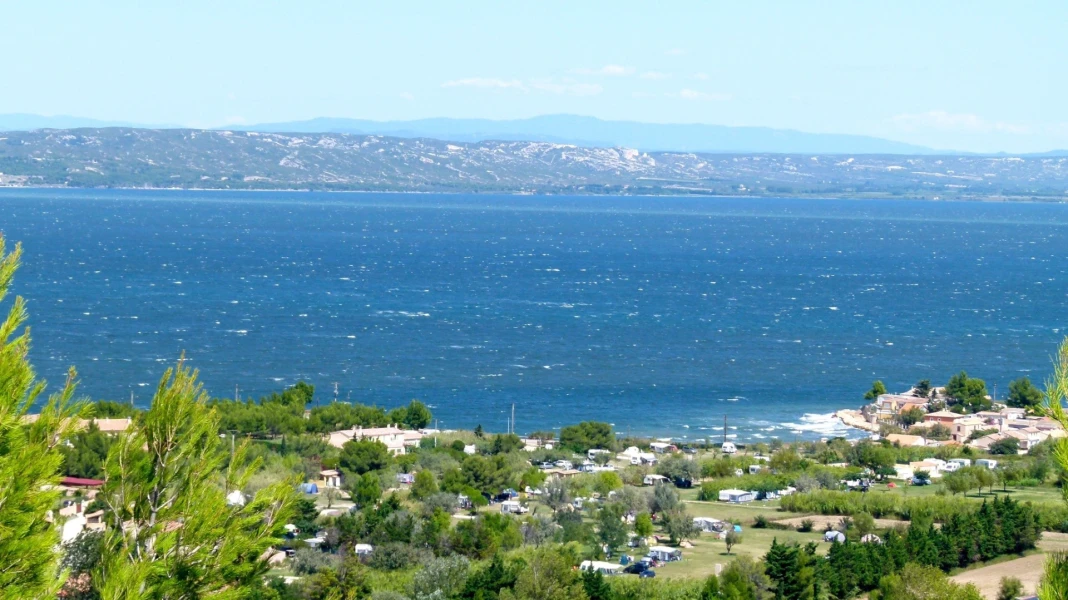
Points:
(1027, 569)
(1037, 494)
(821, 522)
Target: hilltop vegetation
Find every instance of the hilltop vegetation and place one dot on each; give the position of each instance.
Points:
(186, 158)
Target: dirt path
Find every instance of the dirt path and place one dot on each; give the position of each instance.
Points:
(1027, 569)
(820, 522)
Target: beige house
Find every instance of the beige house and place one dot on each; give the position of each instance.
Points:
(392, 436)
(963, 428)
(944, 417)
(904, 440)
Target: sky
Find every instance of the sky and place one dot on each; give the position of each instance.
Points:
(973, 76)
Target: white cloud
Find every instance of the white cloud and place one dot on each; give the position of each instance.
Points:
(959, 122)
(688, 94)
(607, 70)
(485, 83)
(657, 75)
(701, 76)
(550, 86)
(675, 52)
(567, 89)
(407, 96)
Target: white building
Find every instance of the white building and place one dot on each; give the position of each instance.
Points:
(392, 436)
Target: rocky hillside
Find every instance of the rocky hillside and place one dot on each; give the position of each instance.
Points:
(125, 157)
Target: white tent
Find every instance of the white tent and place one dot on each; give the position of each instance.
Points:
(604, 568)
(834, 536)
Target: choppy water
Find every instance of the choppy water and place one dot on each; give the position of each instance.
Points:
(660, 315)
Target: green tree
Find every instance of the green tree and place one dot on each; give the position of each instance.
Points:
(643, 524)
(678, 524)
(922, 389)
(910, 417)
(611, 530)
(595, 586)
(172, 533)
(424, 485)
(1007, 445)
(557, 495)
(364, 456)
(732, 539)
(547, 576)
(586, 435)
(877, 389)
(782, 564)
(916, 582)
(414, 416)
(967, 392)
(1024, 394)
(85, 454)
(504, 443)
(30, 458)
(367, 490)
(959, 482)
(607, 481)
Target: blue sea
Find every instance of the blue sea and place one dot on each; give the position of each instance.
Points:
(660, 315)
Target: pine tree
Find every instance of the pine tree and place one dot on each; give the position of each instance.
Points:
(29, 456)
(171, 532)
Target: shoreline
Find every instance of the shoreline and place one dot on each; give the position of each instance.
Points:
(854, 419)
(696, 193)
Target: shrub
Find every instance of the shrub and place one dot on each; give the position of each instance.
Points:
(760, 522)
(394, 555)
(307, 561)
(806, 525)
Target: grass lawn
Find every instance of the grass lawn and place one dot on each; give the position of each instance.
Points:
(1036, 494)
(700, 561)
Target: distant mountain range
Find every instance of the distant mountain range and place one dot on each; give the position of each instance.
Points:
(557, 129)
(194, 158)
(592, 132)
(28, 122)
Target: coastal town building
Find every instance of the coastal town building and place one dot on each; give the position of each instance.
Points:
(905, 440)
(944, 417)
(395, 439)
(963, 428)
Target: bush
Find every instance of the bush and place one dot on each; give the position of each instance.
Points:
(760, 522)
(396, 555)
(806, 525)
(307, 561)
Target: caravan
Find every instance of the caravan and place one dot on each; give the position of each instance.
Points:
(604, 568)
(664, 553)
(513, 507)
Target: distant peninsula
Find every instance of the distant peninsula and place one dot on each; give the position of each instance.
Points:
(125, 157)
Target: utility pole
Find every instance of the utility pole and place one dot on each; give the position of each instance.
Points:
(131, 398)
(513, 418)
(335, 392)
(237, 396)
(724, 429)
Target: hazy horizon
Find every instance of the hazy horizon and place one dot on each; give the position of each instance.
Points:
(970, 77)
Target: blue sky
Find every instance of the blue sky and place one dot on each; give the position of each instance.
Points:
(980, 76)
